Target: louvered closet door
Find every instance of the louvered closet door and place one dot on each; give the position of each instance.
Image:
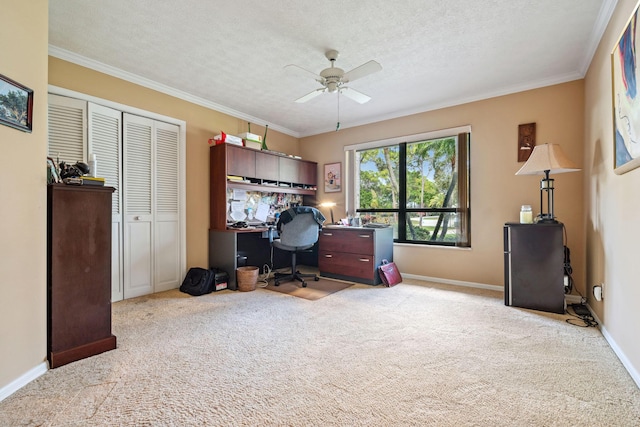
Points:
(105, 141)
(167, 207)
(137, 204)
(67, 134)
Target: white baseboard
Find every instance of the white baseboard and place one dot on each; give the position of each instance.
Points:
(454, 282)
(23, 380)
(633, 372)
(570, 299)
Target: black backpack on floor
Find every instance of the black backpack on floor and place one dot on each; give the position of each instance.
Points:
(198, 281)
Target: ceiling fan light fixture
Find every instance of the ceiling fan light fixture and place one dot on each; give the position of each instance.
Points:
(333, 78)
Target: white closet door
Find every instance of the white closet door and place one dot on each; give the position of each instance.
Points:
(138, 215)
(67, 129)
(105, 141)
(167, 208)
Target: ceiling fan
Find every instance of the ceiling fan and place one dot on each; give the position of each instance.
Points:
(334, 79)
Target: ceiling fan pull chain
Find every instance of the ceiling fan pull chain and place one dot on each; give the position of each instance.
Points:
(338, 123)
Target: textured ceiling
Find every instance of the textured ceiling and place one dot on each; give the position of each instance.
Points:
(231, 55)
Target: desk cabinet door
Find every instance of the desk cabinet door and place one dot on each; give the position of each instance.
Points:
(357, 265)
(240, 161)
(289, 170)
(308, 173)
(359, 242)
(267, 166)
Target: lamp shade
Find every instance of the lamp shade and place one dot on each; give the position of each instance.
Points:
(547, 157)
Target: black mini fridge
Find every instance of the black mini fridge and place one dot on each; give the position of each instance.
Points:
(534, 266)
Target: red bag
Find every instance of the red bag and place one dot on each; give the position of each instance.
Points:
(389, 273)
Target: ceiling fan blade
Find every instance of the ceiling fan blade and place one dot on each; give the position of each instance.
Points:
(315, 76)
(310, 95)
(361, 71)
(359, 97)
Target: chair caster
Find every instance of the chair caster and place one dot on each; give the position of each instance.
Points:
(276, 283)
(315, 279)
(304, 284)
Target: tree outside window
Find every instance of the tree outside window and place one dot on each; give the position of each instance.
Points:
(423, 185)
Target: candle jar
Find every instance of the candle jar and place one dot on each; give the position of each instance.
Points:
(526, 215)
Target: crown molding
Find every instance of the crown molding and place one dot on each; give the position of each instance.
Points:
(83, 61)
(604, 15)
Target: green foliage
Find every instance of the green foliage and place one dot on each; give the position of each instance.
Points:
(377, 188)
(13, 106)
(430, 169)
(418, 233)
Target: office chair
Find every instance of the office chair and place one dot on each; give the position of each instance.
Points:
(299, 229)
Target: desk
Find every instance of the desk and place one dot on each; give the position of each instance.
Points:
(225, 246)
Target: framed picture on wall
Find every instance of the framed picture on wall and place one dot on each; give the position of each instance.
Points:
(332, 177)
(526, 141)
(626, 99)
(16, 104)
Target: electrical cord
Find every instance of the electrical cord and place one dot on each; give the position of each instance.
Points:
(268, 269)
(263, 279)
(587, 319)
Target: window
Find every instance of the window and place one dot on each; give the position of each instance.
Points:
(422, 185)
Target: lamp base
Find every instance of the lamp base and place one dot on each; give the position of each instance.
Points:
(545, 219)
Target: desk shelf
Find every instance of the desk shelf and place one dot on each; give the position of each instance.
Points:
(269, 188)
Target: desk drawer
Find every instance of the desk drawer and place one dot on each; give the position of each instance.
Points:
(350, 241)
(346, 264)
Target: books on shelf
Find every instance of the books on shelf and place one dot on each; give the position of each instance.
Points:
(223, 138)
(255, 145)
(90, 180)
(251, 137)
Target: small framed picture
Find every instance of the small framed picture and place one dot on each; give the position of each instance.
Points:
(332, 177)
(16, 104)
(526, 141)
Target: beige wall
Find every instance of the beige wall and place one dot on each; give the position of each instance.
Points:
(496, 193)
(23, 220)
(202, 124)
(612, 204)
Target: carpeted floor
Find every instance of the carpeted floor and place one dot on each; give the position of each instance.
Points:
(417, 354)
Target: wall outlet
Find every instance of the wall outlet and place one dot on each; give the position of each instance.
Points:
(597, 292)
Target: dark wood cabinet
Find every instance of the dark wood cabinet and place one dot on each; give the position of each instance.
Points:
(534, 266)
(78, 272)
(354, 253)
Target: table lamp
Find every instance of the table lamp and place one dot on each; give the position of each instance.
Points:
(546, 159)
(329, 205)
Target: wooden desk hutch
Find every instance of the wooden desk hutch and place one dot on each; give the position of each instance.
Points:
(260, 171)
